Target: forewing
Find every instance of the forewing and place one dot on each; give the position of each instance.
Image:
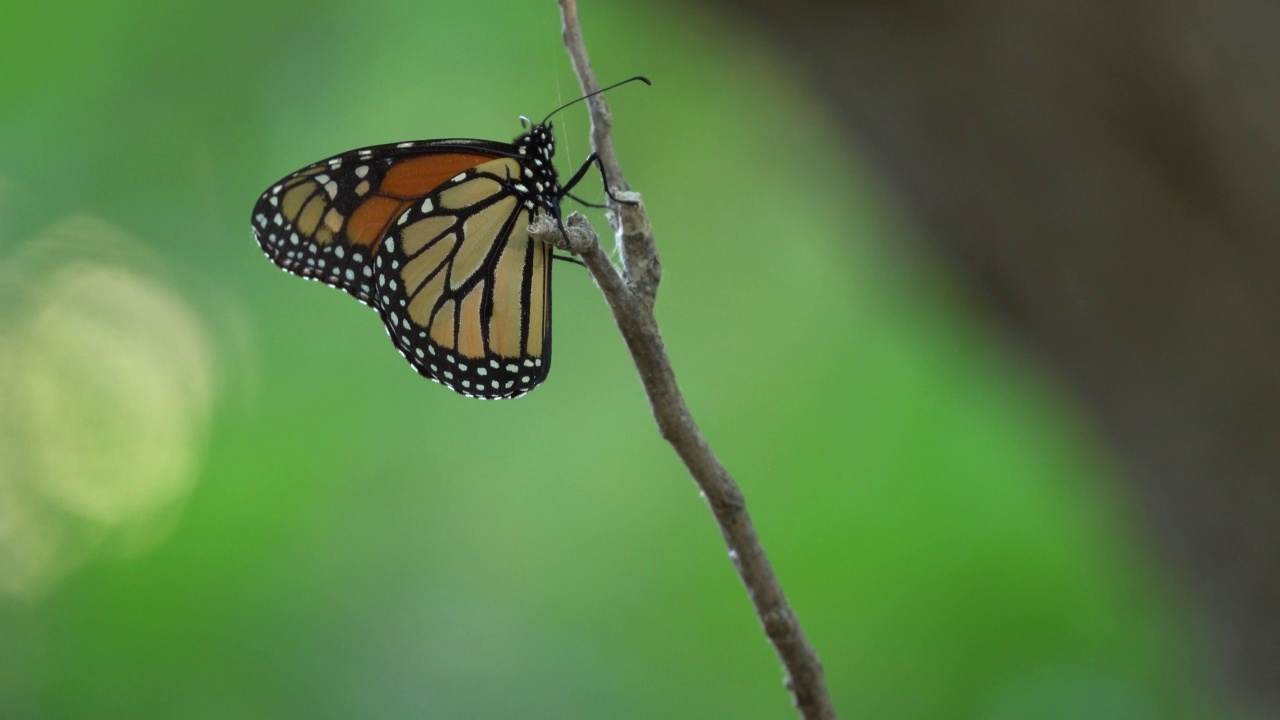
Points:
(327, 220)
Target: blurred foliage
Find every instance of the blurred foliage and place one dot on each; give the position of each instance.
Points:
(337, 538)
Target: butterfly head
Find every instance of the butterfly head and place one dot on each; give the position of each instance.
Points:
(536, 148)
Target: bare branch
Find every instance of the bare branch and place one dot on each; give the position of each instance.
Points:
(630, 292)
(639, 255)
(601, 119)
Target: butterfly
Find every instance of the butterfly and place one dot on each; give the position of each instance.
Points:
(434, 235)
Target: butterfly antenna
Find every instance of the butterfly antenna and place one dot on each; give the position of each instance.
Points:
(641, 78)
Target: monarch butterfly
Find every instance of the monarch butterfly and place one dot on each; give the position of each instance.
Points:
(433, 235)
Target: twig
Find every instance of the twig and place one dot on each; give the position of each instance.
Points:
(630, 290)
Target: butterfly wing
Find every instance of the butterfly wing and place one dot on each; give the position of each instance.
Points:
(468, 292)
(433, 235)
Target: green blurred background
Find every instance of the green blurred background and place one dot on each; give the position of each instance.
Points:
(223, 494)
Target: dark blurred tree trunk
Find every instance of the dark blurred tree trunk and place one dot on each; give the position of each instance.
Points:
(1106, 175)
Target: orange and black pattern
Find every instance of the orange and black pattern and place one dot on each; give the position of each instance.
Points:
(432, 234)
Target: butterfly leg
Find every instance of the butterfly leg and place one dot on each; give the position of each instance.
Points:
(569, 259)
(584, 203)
(593, 159)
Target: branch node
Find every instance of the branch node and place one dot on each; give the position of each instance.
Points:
(628, 197)
(638, 251)
(578, 236)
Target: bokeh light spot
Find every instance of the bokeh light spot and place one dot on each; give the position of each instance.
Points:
(107, 389)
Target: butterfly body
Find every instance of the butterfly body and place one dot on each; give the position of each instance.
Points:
(432, 234)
